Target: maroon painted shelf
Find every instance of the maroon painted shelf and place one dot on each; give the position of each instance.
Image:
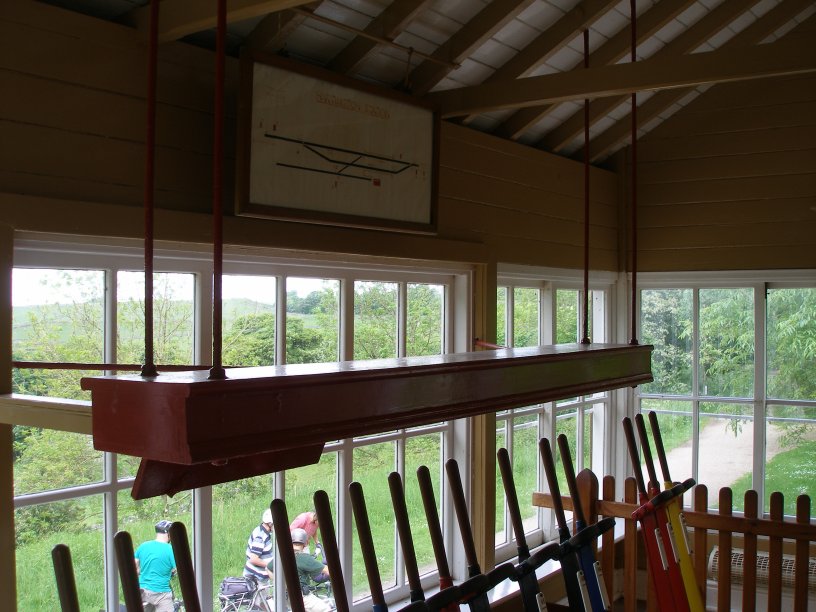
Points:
(287, 413)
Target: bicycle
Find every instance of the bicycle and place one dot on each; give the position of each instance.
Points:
(244, 594)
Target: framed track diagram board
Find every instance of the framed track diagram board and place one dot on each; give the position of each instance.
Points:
(323, 150)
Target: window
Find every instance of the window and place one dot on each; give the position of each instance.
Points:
(534, 312)
(86, 306)
(736, 405)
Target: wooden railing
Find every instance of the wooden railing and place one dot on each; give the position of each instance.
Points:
(707, 528)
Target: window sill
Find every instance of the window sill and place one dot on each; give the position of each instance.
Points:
(46, 412)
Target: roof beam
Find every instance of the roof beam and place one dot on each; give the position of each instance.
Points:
(737, 64)
(486, 23)
(179, 18)
(388, 24)
(686, 42)
(612, 138)
(616, 48)
(550, 41)
(270, 35)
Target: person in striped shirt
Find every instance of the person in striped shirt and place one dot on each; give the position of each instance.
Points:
(260, 550)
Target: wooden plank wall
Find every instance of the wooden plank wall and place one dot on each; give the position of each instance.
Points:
(729, 182)
(526, 204)
(74, 130)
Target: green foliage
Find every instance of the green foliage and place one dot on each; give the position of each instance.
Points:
(423, 329)
(501, 316)
(666, 323)
(566, 319)
(793, 472)
(791, 343)
(727, 342)
(525, 316)
(250, 340)
(375, 320)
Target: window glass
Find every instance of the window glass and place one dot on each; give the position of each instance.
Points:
(47, 460)
(726, 450)
(566, 318)
(173, 296)
(425, 320)
(502, 523)
(525, 316)
(789, 451)
(57, 316)
(791, 343)
(501, 316)
(312, 320)
(566, 423)
(77, 523)
(666, 322)
(139, 517)
(675, 420)
(422, 450)
(237, 508)
(727, 342)
(302, 482)
(248, 315)
(525, 466)
(372, 464)
(375, 320)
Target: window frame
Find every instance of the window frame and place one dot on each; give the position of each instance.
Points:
(548, 281)
(113, 255)
(759, 281)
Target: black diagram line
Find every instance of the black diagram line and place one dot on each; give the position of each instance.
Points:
(318, 170)
(315, 147)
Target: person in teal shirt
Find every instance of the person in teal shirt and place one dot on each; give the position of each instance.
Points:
(156, 565)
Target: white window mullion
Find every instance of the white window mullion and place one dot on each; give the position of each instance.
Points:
(346, 319)
(402, 318)
(695, 384)
(760, 390)
(110, 523)
(280, 320)
(202, 545)
(343, 527)
(509, 313)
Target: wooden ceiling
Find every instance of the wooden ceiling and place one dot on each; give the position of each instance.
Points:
(513, 68)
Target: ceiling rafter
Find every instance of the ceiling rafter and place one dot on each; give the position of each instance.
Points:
(272, 31)
(550, 41)
(686, 42)
(179, 18)
(732, 64)
(620, 133)
(475, 32)
(388, 24)
(614, 49)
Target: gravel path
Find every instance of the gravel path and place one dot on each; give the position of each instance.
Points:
(724, 457)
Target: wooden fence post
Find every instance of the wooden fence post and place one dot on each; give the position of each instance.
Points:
(608, 550)
(775, 556)
(701, 539)
(750, 547)
(724, 569)
(630, 545)
(800, 594)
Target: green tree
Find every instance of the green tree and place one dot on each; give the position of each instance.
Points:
(375, 320)
(250, 340)
(424, 324)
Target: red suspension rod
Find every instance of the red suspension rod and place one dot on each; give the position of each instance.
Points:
(217, 371)
(149, 367)
(585, 338)
(634, 339)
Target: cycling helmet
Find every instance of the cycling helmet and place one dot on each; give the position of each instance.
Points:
(266, 517)
(299, 536)
(163, 526)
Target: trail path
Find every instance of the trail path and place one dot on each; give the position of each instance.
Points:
(723, 456)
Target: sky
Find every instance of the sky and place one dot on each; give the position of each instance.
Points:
(32, 287)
